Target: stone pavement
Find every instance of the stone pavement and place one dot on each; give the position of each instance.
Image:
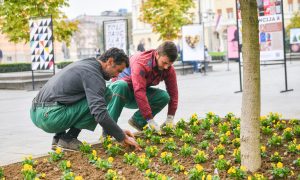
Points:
(197, 94)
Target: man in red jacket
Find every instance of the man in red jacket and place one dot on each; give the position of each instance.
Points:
(133, 87)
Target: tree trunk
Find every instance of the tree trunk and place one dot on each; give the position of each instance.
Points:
(250, 131)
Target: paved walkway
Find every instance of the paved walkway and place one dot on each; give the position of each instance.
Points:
(198, 93)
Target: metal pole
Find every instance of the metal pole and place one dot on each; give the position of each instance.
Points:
(239, 54)
(32, 76)
(283, 34)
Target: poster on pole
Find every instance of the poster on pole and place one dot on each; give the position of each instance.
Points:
(295, 40)
(271, 38)
(41, 43)
(115, 34)
(232, 42)
(193, 42)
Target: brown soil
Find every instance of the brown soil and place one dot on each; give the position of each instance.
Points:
(81, 166)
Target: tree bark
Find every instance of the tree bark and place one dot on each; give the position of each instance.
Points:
(250, 131)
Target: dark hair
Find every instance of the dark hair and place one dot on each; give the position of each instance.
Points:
(118, 55)
(168, 49)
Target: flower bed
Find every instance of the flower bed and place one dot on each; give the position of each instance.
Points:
(205, 148)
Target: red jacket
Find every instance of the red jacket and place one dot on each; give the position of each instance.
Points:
(143, 73)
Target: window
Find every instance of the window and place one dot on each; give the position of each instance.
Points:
(290, 5)
(229, 13)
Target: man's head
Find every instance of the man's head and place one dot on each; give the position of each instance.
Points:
(113, 61)
(167, 54)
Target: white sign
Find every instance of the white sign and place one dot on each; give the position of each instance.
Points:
(193, 43)
(115, 34)
(295, 40)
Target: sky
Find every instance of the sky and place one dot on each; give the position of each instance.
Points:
(94, 7)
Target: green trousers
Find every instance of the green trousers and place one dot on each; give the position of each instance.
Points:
(119, 95)
(55, 119)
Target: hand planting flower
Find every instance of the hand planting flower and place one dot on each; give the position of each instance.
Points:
(151, 151)
(186, 150)
(275, 140)
(196, 173)
(188, 138)
(177, 167)
(166, 157)
(220, 149)
(237, 173)
(104, 164)
(113, 150)
(204, 144)
(85, 148)
(142, 162)
(279, 171)
(221, 163)
(200, 157)
(276, 157)
(57, 155)
(170, 145)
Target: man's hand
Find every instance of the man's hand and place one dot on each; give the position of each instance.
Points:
(128, 133)
(129, 141)
(169, 121)
(153, 125)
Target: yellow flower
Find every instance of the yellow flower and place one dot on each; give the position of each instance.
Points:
(292, 173)
(45, 160)
(243, 168)
(109, 146)
(68, 164)
(27, 167)
(163, 177)
(110, 159)
(298, 147)
(163, 154)
(276, 154)
(78, 178)
(36, 178)
(203, 177)
(43, 175)
(228, 133)
(58, 150)
(279, 165)
(221, 157)
(185, 173)
(249, 178)
(263, 148)
(71, 174)
(94, 153)
(199, 167)
(209, 177)
(148, 171)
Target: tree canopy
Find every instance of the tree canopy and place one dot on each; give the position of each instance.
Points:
(167, 16)
(15, 14)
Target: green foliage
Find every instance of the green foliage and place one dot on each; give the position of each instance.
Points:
(130, 158)
(167, 17)
(85, 148)
(295, 23)
(15, 67)
(16, 14)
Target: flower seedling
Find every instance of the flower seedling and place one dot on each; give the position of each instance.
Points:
(200, 157)
(186, 150)
(166, 157)
(196, 173)
(130, 158)
(65, 166)
(113, 150)
(220, 149)
(178, 132)
(85, 148)
(279, 171)
(188, 138)
(56, 155)
(104, 164)
(112, 175)
(221, 163)
(276, 157)
(170, 145)
(204, 144)
(151, 151)
(28, 172)
(237, 173)
(263, 152)
(93, 156)
(288, 134)
(237, 155)
(209, 134)
(142, 162)
(177, 167)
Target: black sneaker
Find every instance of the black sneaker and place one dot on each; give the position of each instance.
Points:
(54, 143)
(135, 125)
(69, 144)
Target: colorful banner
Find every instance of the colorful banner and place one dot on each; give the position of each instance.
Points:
(295, 40)
(41, 43)
(115, 34)
(193, 42)
(271, 38)
(232, 42)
